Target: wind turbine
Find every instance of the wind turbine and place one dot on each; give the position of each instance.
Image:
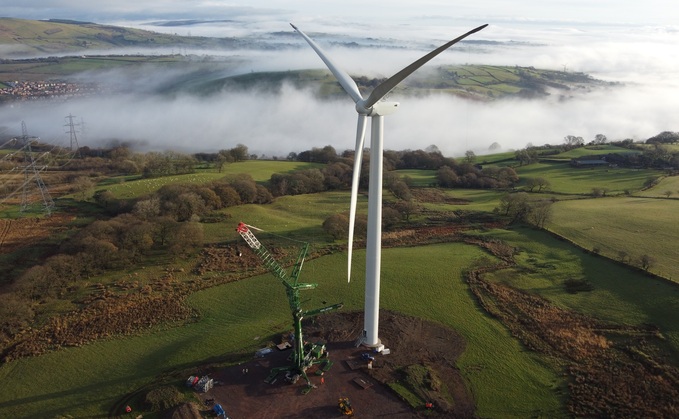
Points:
(375, 108)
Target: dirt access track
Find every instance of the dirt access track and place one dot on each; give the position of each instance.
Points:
(246, 395)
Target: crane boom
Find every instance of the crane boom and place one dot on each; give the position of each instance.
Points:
(304, 354)
(270, 263)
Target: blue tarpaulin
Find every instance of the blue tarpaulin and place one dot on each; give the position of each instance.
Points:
(219, 410)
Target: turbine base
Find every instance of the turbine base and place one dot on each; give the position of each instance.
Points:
(361, 341)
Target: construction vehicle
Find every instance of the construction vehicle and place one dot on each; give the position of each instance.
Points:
(304, 354)
(345, 407)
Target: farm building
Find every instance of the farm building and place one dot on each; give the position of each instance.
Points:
(588, 162)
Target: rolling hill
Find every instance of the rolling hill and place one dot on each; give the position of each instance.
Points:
(21, 38)
(480, 82)
(69, 40)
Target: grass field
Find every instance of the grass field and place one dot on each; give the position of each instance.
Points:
(298, 217)
(667, 187)
(593, 151)
(83, 382)
(427, 282)
(620, 295)
(636, 226)
(260, 170)
(419, 178)
(568, 180)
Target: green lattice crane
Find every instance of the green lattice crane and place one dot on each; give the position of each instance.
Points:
(304, 354)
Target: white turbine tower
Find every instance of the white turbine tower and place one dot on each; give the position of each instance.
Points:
(374, 107)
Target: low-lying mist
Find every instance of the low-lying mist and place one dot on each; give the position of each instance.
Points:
(293, 119)
(275, 124)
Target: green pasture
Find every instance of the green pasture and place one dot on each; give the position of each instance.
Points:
(668, 185)
(593, 151)
(495, 80)
(260, 170)
(484, 200)
(507, 156)
(619, 295)
(425, 282)
(565, 179)
(673, 148)
(299, 217)
(636, 226)
(243, 316)
(56, 36)
(72, 65)
(128, 189)
(63, 66)
(419, 178)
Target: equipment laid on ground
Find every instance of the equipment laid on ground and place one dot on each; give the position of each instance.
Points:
(345, 407)
(192, 381)
(204, 384)
(304, 354)
(219, 411)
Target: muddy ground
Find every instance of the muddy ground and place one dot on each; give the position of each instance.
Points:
(409, 340)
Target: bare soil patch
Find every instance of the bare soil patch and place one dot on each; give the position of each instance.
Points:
(614, 370)
(26, 232)
(410, 341)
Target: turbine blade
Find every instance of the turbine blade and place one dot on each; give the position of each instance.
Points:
(344, 79)
(358, 157)
(389, 84)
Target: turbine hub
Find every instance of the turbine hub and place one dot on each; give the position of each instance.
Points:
(361, 109)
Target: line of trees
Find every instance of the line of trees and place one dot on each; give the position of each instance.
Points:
(337, 173)
(121, 159)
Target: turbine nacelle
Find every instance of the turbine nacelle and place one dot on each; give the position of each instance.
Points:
(380, 108)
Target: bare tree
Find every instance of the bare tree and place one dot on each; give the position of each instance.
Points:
(83, 186)
(147, 209)
(515, 206)
(600, 139)
(337, 226)
(540, 213)
(469, 156)
(598, 192)
(446, 177)
(646, 262)
(572, 141)
(15, 315)
(186, 238)
(406, 208)
(390, 217)
(538, 182)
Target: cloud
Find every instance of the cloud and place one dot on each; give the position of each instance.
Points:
(295, 120)
(621, 11)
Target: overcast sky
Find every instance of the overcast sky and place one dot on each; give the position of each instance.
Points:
(628, 41)
(648, 12)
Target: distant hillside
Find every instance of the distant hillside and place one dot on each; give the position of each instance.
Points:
(205, 76)
(19, 37)
(481, 82)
